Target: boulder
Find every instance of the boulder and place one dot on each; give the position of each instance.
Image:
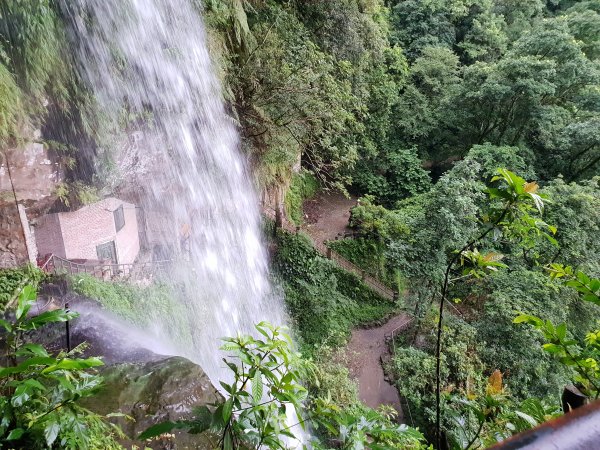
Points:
(154, 392)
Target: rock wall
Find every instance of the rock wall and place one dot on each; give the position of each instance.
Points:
(30, 172)
(154, 392)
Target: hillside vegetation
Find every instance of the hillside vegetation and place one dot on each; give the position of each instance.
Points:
(470, 129)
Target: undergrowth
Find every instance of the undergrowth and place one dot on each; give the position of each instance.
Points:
(324, 301)
(141, 306)
(304, 186)
(14, 279)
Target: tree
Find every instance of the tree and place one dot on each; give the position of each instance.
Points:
(517, 199)
(583, 358)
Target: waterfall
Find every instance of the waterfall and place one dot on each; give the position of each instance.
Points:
(147, 64)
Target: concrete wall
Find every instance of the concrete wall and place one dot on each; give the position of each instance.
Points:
(90, 226)
(48, 236)
(128, 240)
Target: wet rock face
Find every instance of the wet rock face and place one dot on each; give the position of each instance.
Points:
(33, 171)
(154, 392)
(12, 244)
(139, 382)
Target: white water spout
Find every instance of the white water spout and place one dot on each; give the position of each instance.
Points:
(147, 63)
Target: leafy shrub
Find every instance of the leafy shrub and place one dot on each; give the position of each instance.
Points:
(13, 280)
(304, 186)
(40, 392)
(139, 305)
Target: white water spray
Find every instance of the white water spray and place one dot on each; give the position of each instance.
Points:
(148, 59)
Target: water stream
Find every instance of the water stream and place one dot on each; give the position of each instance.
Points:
(148, 65)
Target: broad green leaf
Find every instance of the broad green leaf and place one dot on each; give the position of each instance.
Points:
(6, 325)
(526, 318)
(527, 418)
(257, 387)
(73, 364)
(57, 315)
(228, 441)
(26, 365)
(15, 434)
(157, 430)
(227, 410)
(51, 432)
(32, 349)
(552, 348)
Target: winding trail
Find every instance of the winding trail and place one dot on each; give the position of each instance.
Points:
(366, 349)
(326, 217)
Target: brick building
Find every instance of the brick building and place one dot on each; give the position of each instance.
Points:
(105, 230)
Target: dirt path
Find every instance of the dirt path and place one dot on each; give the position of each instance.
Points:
(327, 215)
(366, 349)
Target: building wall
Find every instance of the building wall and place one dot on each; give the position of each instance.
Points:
(83, 230)
(48, 236)
(128, 239)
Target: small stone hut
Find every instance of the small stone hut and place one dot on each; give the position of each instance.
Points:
(102, 231)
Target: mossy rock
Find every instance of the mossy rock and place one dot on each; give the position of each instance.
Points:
(155, 392)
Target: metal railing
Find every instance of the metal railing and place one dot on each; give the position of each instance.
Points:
(392, 335)
(56, 264)
(576, 430)
(372, 282)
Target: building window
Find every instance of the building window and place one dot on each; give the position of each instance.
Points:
(107, 251)
(119, 218)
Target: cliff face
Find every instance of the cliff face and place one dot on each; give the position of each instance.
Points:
(29, 175)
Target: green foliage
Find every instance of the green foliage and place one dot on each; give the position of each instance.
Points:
(391, 177)
(303, 186)
(40, 392)
(528, 374)
(367, 254)
(325, 301)
(10, 106)
(372, 429)
(582, 358)
(13, 280)
(139, 305)
(267, 377)
(266, 385)
(486, 418)
(575, 211)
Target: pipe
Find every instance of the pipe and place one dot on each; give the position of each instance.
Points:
(576, 430)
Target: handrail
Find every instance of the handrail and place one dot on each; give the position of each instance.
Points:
(392, 334)
(375, 284)
(50, 258)
(102, 270)
(578, 429)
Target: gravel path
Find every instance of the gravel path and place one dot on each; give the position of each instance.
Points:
(326, 216)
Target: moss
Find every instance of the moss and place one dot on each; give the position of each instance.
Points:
(325, 301)
(304, 186)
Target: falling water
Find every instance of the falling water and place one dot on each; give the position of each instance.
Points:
(147, 61)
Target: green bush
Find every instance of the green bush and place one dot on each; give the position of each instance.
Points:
(304, 185)
(13, 280)
(139, 305)
(324, 301)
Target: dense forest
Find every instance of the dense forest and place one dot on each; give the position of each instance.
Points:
(470, 131)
